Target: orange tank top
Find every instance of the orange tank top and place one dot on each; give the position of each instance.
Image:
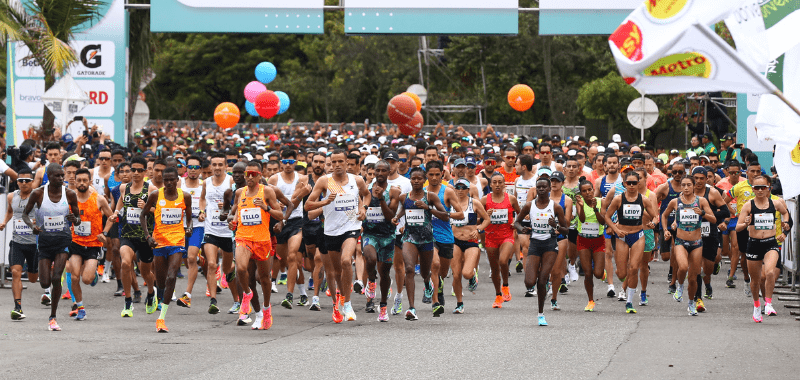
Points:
(510, 179)
(91, 223)
(169, 231)
(253, 220)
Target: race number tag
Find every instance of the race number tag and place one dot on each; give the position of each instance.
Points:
(631, 212)
(510, 189)
(132, 215)
(460, 222)
(84, 229)
(251, 216)
(688, 216)
(171, 215)
(522, 195)
(345, 202)
(375, 215)
(500, 216)
(54, 223)
(540, 222)
(764, 221)
(706, 227)
(20, 228)
(415, 217)
(590, 229)
(215, 222)
(195, 206)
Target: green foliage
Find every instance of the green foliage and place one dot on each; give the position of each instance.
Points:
(606, 98)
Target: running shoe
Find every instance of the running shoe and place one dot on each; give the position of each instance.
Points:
(235, 308)
(17, 315)
(66, 295)
(398, 304)
(161, 326)
(629, 308)
(246, 298)
(127, 313)
(747, 291)
(573, 273)
(709, 292)
(438, 309)
(506, 294)
(223, 281)
(303, 300)
(137, 296)
(81, 315)
(589, 306)
(605, 275)
(274, 288)
(119, 292)
(531, 292)
(554, 305)
(95, 280)
(370, 308)
(643, 301)
(678, 295)
(416, 269)
(213, 308)
(671, 289)
(498, 302)
(358, 286)
(622, 295)
(459, 309)
(729, 283)
(349, 314)
(151, 307)
(324, 287)
(106, 279)
(53, 325)
(717, 268)
(180, 275)
(563, 287)
(611, 293)
(370, 291)
(411, 314)
(428, 293)
(287, 302)
(74, 312)
(244, 320)
(282, 278)
(692, 309)
(266, 318)
(519, 266)
(315, 304)
(757, 314)
(440, 294)
(542, 321)
(310, 284)
(383, 315)
(337, 316)
(549, 289)
(184, 301)
(472, 286)
(769, 310)
(699, 305)
(208, 292)
(339, 300)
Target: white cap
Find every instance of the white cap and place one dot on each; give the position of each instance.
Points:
(690, 154)
(438, 142)
(371, 159)
(334, 132)
(361, 141)
(616, 138)
(322, 150)
(374, 146)
(613, 145)
(571, 152)
(364, 148)
(235, 136)
(248, 156)
(371, 134)
(382, 139)
(676, 159)
(496, 149)
(601, 149)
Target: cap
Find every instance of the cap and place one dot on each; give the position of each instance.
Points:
(371, 159)
(544, 171)
(699, 170)
(613, 145)
(571, 152)
(363, 148)
(704, 156)
(593, 139)
(658, 161)
(460, 161)
(470, 160)
(626, 168)
(674, 151)
(462, 181)
(616, 138)
(664, 158)
(601, 149)
(527, 144)
(437, 142)
(558, 176)
(637, 156)
(75, 157)
(391, 155)
(708, 135)
(690, 154)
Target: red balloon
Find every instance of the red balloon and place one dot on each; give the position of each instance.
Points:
(267, 104)
(412, 127)
(401, 109)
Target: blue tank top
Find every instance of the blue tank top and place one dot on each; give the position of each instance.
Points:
(442, 232)
(672, 194)
(112, 182)
(605, 187)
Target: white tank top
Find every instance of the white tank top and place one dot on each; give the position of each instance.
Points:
(341, 215)
(195, 193)
(98, 182)
(478, 184)
(288, 189)
(215, 194)
(523, 187)
(539, 166)
(540, 220)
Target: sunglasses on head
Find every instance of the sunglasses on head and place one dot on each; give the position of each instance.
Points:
(193, 167)
(138, 170)
(760, 187)
(24, 180)
(250, 173)
(631, 183)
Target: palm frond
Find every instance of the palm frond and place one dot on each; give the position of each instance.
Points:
(56, 55)
(13, 21)
(65, 16)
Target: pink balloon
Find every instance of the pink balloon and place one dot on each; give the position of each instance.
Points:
(252, 90)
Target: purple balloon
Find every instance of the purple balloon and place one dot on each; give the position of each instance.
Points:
(252, 90)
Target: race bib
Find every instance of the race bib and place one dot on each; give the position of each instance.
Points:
(415, 217)
(688, 216)
(510, 189)
(84, 229)
(375, 215)
(215, 222)
(706, 227)
(251, 216)
(132, 215)
(522, 195)
(631, 212)
(20, 228)
(540, 223)
(195, 206)
(500, 216)
(345, 202)
(733, 206)
(590, 229)
(460, 222)
(764, 221)
(54, 223)
(171, 215)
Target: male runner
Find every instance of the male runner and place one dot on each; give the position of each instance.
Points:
(53, 156)
(192, 186)
(100, 173)
(522, 186)
(23, 241)
(313, 235)
(395, 179)
(730, 247)
(442, 233)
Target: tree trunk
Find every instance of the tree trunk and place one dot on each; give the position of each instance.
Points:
(548, 69)
(48, 119)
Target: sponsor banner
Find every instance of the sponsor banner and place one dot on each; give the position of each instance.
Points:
(95, 60)
(238, 16)
(28, 97)
(583, 16)
(765, 29)
(431, 17)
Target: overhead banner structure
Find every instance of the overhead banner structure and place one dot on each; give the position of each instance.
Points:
(431, 17)
(237, 16)
(100, 72)
(583, 16)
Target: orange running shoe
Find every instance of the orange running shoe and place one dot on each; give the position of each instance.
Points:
(208, 293)
(66, 295)
(266, 321)
(100, 269)
(337, 316)
(498, 302)
(339, 300)
(506, 294)
(161, 326)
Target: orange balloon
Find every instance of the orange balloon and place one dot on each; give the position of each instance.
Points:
(416, 99)
(521, 97)
(226, 115)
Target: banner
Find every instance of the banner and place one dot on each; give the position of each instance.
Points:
(431, 17)
(764, 29)
(583, 16)
(237, 16)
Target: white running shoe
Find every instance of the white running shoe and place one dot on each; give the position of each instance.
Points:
(274, 287)
(398, 304)
(257, 323)
(769, 310)
(573, 273)
(106, 278)
(622, 295)
(349, 314)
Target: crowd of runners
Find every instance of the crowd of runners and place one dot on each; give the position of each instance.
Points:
(355, 217)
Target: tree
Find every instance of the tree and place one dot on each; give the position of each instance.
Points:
(141, 52)
(47, 27)
(606, 98)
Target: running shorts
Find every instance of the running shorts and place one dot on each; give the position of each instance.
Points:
(196, 240)
(731, 226)
(464, 245)
(540, 247)
(597, 244)
(143, 251)
(649, 240)
(87, 253)
(384, 246)
(631, 239)
(690, 245)
(573, 236)
(334, 243)
(758, 248)
(495, 240)
(445, 250)
(710, 246)
(169, 251)
(292, 227)
(743, 238)
(24, 253)
(259, 250)
(424, 247)
(50, 247)
(398, 241)
(223, 243)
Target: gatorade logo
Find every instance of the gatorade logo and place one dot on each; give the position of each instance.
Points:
(628, 39)
(663, 11)
(692, 64)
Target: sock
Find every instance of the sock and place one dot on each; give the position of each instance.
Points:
(303, 289)
(163, 310)
(80, 305)
(17, 304)
(213, 301)
(631, 293)
(768, 301)
(541, 314)
(47, 291)
(188, 295)
(644, 294)
(756, 303)
(505, 285)
(69, 286)
(119, 284)
(698, 293)
(398, 295)
(128, 302)
(149, 297)
(459, 304)
(383, 304)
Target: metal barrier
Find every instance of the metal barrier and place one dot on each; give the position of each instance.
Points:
(786, 288)
(5, 238)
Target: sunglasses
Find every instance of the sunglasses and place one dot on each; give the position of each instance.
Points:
(714, 161)
(511, 157)
(288, 162)
(138, 170)
(547, 152)
(252, 173)
(490, 162)
(193, 167)
(103, 158)
(760, 187)
(403, 159)
(462, 187)
(471, 166)
(678, 172)
(24, 180)
(231, 162)
(631, 183)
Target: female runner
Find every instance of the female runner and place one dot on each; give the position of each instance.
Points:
(499, 235)
(591, 242)
(466, 252)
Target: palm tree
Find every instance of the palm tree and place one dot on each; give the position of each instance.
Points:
(47, 27)
(142, 46)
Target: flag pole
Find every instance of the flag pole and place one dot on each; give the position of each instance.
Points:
(779, 94)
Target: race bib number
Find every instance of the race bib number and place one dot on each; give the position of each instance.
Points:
(251, 216)
(132, 215)
(689, 216)
(460, 222)
(20, 228)
(500, 216)
(540, 223)
(171, 215)
(590, 229)
(195, 206)
(733, 206)
(375, 215)
(345, 202)
(510, 189)
(415, 217)
(84, 229)
(54, 223)
(706, 227)
(522, 195)
(631, 212)
(215, 222)
(764, 221)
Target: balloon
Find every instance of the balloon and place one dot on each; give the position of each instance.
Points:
(267, 104)
(226, 115)
(416, 98)
(250, 108)
(284, 99)
(266, 72)
(401, 109)
(521, 97)
(252, 90)
(412, 127)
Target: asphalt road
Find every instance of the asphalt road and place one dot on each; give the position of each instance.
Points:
(661, 341)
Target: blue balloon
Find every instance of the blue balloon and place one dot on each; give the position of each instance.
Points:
(266, 72)
(284, 101)
(251, 108)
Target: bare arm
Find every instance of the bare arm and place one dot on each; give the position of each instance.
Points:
(452, 200)
(9, 212)
(438, 208)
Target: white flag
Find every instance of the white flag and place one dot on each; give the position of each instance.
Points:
(764, 29)
(697, 61)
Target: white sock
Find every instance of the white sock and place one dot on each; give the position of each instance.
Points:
(631, 294)
(188, 295)
(541, 314)
(47, 291)
(398, 295)
(302, 289)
